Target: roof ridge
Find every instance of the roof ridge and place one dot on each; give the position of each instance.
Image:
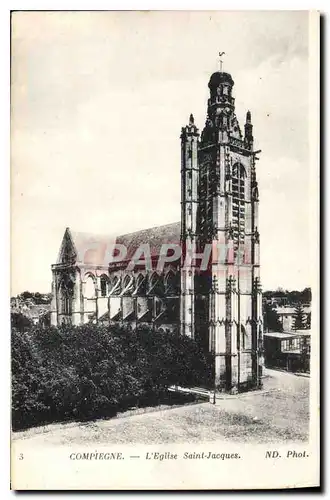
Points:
(116, 235)
(98, 243)
(149, 229)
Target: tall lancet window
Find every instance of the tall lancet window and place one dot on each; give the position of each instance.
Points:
(104, 285)
(238, 215)
(189, 183)
(66, 296)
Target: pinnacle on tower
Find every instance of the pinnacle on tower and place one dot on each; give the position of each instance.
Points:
(190, 128)
(248, 139)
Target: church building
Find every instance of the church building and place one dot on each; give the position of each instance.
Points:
(218, 303)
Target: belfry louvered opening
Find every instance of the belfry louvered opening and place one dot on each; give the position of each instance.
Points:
(238, 197)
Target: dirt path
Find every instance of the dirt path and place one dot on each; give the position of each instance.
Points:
(280, 415)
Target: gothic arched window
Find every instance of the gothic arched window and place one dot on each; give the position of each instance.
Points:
(104, 285)
(189, 182)
(90, 291)
(238, 200)
(171, 283)
(66, 296)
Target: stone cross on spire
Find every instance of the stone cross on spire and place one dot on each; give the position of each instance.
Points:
(220, 60)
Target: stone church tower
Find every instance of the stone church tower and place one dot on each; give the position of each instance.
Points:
(221, 306)
(212, 292)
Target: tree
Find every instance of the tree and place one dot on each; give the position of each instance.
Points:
(272, 322)
(306, 295)
(92, 371)
(20, 321)
(299, 318)
(37, 298)
(294, 297)
(279, 293)
(26, 295)
(28, 405)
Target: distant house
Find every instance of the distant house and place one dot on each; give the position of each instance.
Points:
(288, 350)
(36, 313)
(286, 316)
(275, 301)
(40, 314)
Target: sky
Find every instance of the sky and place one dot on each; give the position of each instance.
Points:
(98, 100)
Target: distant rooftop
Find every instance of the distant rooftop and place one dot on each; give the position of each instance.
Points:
(288, 335)
(280, 335)
(291, 310)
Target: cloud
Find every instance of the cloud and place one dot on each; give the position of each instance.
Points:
(284, 223)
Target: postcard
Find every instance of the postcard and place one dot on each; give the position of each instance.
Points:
(165, 246)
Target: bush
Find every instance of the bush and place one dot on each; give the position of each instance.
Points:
(28, 405)
(91, 371)
(20, 322)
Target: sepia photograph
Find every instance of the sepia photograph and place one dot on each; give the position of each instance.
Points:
(164, 250)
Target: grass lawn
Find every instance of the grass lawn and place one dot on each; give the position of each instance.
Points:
(278, 416)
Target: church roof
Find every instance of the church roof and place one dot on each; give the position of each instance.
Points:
(96, 249)
(155, 236)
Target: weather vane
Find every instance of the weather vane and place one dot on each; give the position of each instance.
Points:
(220, 60)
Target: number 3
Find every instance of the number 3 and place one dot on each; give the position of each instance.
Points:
(21, 456)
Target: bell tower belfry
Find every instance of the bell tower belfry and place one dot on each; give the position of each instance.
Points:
(226, 302)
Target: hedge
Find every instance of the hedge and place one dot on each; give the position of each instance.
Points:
(90, 371)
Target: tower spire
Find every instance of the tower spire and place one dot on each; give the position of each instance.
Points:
(220, 60)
